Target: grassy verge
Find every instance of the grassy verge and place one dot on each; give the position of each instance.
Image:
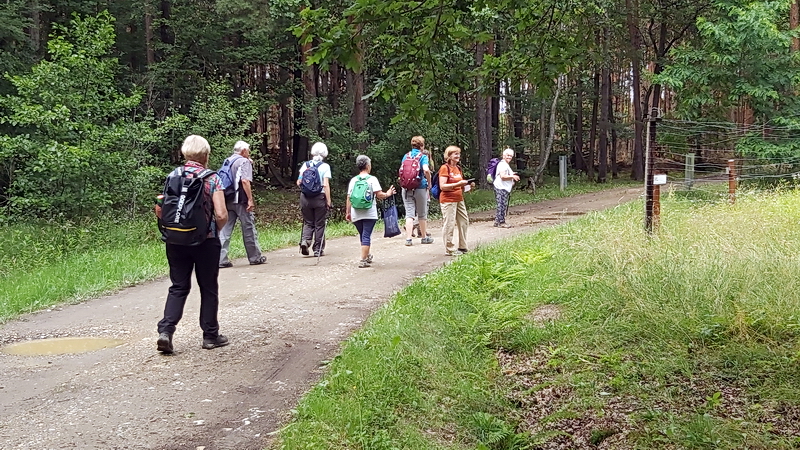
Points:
(588, 335)
(48, 264)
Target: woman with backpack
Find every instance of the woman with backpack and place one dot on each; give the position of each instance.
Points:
(451, 200)
(361, 210)
(315, 199)
(503, 182)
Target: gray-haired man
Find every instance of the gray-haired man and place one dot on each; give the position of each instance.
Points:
(241, 206)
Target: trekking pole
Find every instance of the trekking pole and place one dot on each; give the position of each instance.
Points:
(324, 230)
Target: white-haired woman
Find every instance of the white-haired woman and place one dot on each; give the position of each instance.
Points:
(503, 183)
(202, 258)
(315, 199)
(361, 210)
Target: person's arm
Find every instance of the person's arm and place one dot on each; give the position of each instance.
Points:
(445, 186)
(347, 216)
(381, 195)
(326, 187)
(426, 170)
(220, 210)
(251, 205)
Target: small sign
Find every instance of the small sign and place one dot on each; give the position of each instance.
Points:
(659, 179)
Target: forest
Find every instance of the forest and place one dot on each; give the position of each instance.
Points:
(96, 96)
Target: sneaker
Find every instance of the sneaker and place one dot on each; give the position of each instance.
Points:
(369, 258)
(454, 253)
(225, 265)
(505, 225)
(463, 250)
(164, 342)
(261, 260)
(304, 247)
(495, 224)
(363, 263)
(219, 341)
(426, 240)
(409, 243)
(318, 254)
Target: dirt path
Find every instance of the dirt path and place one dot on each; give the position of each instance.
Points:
(284, 319)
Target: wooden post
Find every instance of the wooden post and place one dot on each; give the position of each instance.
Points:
(648, 182)
(562, 172)
(656, 206)
(731, 181)
(688, 177)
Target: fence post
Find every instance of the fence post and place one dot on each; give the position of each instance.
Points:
(562, 172)
(689, 174)
(731, 181)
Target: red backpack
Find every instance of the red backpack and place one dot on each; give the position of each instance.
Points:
(410, 172)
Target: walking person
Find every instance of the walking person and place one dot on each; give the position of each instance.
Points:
(240, 204)
(361, 210)
(416, 193)
(503, 183)
(204, 204)
(315, 199)
(451, 201)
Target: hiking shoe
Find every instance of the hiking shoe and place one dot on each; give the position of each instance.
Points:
(369, 258)
(454, 253)
(364, 263)
(225, 265)
(304, 247)
(164, 342)
(319, 253)
(495, 224)
(219, 341)
(426, 240)
(505, 225)
(409, 243)
(463, 250)
(261, 260)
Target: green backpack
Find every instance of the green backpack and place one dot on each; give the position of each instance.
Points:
(362, 195)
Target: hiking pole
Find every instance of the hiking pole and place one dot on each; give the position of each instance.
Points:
(322, 245)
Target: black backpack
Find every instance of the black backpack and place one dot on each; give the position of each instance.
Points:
(184, 219)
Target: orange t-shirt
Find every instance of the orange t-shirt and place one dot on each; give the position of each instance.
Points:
(452, 175)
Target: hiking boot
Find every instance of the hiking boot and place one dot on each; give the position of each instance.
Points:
(304, 247)
(219, 341)
(225, 265)
(409, 243)
(261, 260)
(426, 240)
(364, 263)
(164, 343)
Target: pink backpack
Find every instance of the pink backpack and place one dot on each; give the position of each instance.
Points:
(410, 172)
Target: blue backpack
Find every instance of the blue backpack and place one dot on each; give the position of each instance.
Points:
(491, 169)
(310, 183)
(227, 181)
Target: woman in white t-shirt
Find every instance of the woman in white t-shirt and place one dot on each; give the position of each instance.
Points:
(364, 218)
(315, 205)
(503, 183)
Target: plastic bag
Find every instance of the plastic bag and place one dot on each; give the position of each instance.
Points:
(391, 225)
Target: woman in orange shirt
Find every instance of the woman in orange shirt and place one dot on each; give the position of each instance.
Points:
(451, 201)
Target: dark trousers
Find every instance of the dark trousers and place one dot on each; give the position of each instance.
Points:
(365, 227)
(502, 196)
(315, 210)
(204, 260)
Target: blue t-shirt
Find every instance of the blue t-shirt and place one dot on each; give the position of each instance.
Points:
(422, 163)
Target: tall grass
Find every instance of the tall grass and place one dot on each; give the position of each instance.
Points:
(46, 264)
(688, 338)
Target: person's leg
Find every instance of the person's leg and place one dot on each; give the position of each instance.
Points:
(411, 212)
(308, 227)
(449, 216)
(499, 216)
(207, 275)
(225, 236)
(366, 238)
(421, 201)
(180, 273)
(462, 221)
(249, 234)
(320, 214)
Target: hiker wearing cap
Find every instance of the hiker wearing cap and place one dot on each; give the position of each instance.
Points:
(503, 183)
(315, 199)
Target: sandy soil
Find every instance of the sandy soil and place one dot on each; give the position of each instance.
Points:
(284, 319)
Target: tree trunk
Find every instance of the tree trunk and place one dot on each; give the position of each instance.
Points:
(637, 171)
(548, 148)
(612, 123)
(483, 119)
(516, 108)
(335, 86)
(36, 26)
(794, 22)
(310, 93)
(593, 126)
(605, 88)
(580, 161)
(358, 118)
